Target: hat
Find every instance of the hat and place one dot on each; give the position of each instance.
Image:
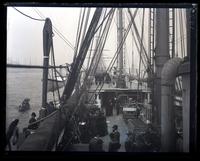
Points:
(115, 126)
(27, 99)
(33, 114)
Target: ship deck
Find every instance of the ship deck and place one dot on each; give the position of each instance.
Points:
(123, 127)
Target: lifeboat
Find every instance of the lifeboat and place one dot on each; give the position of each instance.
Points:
(25, 105)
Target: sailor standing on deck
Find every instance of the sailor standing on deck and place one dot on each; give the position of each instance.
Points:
(96, 144)
(31, 121)
(114, 144)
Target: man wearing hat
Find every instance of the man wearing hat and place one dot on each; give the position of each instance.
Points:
(32, 120)
(96, 144)
(114, 144)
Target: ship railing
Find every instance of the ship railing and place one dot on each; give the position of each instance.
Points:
(44, 118)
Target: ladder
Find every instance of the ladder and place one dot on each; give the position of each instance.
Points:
(151, 56)
(172, 40)
(152, 36)
(124, 45)
(171, 32)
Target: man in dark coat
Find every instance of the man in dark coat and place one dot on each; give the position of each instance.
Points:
(31, 121)
(152, 139)
(50, 108)
(12, 133)
(114, 144)
(96, 144)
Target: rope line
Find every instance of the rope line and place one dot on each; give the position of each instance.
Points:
(116, 54)
(56, 30)
(79, 34)
(142, 31)
(28, 15)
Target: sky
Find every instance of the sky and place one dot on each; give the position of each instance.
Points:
(25, 36)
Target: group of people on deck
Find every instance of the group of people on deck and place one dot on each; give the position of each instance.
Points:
(96, 143)
(12, 135)
(146, 142)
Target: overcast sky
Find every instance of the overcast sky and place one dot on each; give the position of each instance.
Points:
(25, 36)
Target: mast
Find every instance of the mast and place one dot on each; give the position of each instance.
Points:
(120, 36)
(120, 61)
(47, 43)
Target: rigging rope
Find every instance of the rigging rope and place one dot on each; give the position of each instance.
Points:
(139, 39)
(181, 33)
(28, 15)
(82, 53)
(140, 54)
(44, 118)
(85, 26)
(78, 104)
(137, 46)
(91, 48)
(56, 30)
(80, 58)
(90, 54)
(52, 79)
(176, 32)
(38, 12)
(103, 21)
(54, 63)
(79, 31)
(117, 52)
(132, 55)
(93, 68)
(98, 52)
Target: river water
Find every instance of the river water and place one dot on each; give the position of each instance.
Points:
(22, 83)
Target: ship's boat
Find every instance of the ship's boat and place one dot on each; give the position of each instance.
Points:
(25, 105)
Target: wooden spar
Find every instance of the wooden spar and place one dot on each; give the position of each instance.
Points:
(33, 66)
(47, 44)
